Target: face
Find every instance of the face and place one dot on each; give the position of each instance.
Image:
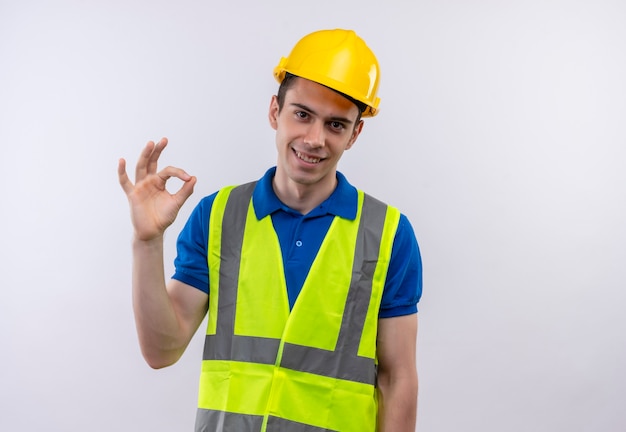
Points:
(313, 129)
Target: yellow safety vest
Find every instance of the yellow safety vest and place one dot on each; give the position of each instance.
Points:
(312, 369)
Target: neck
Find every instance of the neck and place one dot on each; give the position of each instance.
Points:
(303, 197)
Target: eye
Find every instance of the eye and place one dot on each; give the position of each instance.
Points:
(337, 126)
(302, 115)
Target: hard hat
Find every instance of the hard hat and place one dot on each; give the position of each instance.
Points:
(338, 59)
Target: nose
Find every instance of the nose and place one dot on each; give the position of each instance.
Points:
(314, 136)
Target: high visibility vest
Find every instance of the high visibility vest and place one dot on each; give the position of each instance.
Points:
(312, 369)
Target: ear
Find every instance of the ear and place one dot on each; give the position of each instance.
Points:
(355, 134)
(272, 114)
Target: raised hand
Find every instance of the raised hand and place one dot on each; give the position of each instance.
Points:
(152, 207)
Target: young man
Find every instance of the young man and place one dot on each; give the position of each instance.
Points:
(311, 286)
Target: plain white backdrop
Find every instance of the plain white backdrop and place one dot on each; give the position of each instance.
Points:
(501, 135)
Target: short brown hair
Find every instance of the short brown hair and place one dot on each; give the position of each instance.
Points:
(287, 83)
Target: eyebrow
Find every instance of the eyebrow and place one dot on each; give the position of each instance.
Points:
(338, 119)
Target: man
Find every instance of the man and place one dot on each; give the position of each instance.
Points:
(310, 285)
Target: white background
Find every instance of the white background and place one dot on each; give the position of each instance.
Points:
(501, 135)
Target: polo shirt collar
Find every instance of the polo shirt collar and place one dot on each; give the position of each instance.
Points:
(342, 202)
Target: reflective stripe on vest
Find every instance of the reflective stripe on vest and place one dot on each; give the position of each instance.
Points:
(251, 376)
(212, 421)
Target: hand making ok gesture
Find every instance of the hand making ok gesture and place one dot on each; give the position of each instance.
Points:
(152, 207)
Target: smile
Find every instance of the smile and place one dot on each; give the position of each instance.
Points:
(306, 158)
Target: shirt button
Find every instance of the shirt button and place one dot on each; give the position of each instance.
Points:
(298, 243)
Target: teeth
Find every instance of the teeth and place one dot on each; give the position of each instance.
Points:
(306, 158)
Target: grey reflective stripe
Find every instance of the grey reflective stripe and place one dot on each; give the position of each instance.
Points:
(224, 345)
(221, 421)
(241, 348)
(329, 363)
(276, 424)
(344, 362)
(233, 225)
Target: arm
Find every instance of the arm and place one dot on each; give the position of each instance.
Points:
(166, 316)
(397, 374)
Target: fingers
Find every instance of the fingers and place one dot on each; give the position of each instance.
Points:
(125, 182)
(156, 153)
(188, 182)
(148, 159)
(147, 165)
(143, 161)
(169, 172)
(185, 191)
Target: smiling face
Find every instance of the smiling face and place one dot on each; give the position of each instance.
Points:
(313, 129)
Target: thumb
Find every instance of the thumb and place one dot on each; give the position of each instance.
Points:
(186, 190)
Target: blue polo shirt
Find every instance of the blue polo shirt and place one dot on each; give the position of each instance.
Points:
(300, 237)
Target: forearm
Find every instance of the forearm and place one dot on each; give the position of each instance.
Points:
(160, 335)
(397, 402)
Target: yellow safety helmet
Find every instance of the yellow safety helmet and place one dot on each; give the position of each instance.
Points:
(338, 59)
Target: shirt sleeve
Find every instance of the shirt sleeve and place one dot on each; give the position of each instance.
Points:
(403, 286)
(191, 247)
